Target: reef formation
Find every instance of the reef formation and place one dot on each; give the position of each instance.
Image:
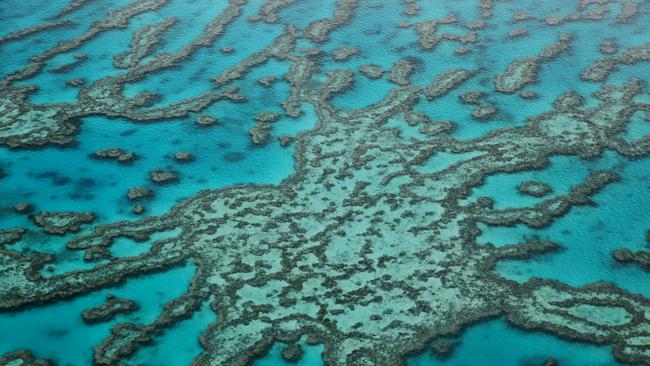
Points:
(359, 249)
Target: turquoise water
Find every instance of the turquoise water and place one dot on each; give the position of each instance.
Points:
(58, 332)
(182, 338)
(496, 343)
(70, 179)
(590, 234)
(485, 344)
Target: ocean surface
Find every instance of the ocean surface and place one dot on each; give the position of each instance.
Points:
(56, 178)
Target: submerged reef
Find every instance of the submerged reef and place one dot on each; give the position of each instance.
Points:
(60, 223)
(117, 154)
(316, 266)
(360, 249)
(523, 71)
(23, 358)
(108, 310)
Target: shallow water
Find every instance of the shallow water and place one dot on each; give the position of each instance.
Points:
(69, 178)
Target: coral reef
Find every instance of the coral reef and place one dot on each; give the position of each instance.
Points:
(117, 154)
(23, 358)
(108, 310)
(60, 223)
(303, 250)
(138, 193)
(534, 188)
(359, 249)
(164, 176)
(600, 70)
(524, 71)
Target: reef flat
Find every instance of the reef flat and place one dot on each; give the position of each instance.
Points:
(372, 245)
